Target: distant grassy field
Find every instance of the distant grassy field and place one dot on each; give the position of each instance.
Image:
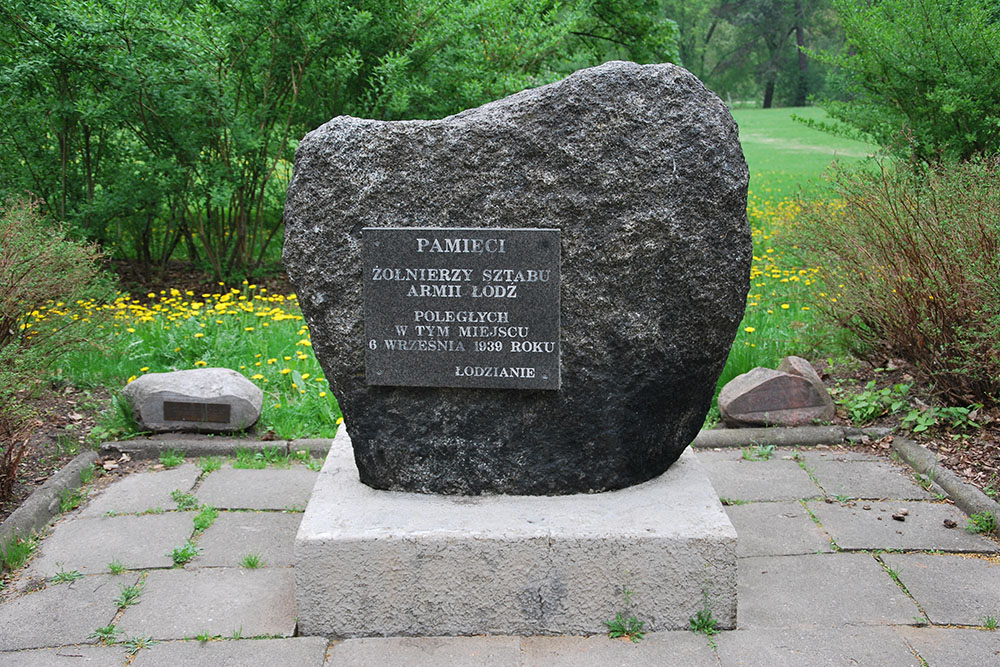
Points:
(788, 158)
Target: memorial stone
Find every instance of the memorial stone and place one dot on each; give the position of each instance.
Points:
(594, 379)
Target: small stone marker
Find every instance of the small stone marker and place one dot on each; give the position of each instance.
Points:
(793, 395)
(604, 372)
(201, 399)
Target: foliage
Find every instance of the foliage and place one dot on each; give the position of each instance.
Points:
(185, 501)
(15, 553)
(704, 623)
(982, 522)
(183, 554)
(867, 405)
(911, 261)
(921, 75)
(252, 561)
(205, 518)
(758, 452)
(624, 625)
(39, 265)
(171, 458)
(129, 595)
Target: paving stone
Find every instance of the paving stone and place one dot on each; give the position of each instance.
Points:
(179, 604)
(485, 651)
(953, 647)
(294, 652)
(143, 491)
(814, 647)
(88, 545)
(853, 527)
(776, 529)
(233, 535)
(267, 489)
(60, 614)
(960, 590)
(867, 479)
(774, 479)
(819, 590)
(814, 455)
(91, 656)
(657, 648)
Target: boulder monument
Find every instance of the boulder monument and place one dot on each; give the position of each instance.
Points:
(640, 171)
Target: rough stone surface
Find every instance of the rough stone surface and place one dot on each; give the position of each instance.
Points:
(776, 529)
(820, 590)
(204, 386)
(766, 397)
(799, 366)
(178, 604)
(371, 563)
(296, 652)
(641, 169)
(953, 590)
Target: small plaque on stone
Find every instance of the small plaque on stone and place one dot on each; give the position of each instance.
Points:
(461, 307)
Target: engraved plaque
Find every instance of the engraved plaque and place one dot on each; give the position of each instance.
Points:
(454, 307)
(215, 413)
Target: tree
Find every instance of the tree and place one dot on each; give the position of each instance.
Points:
(921, 75)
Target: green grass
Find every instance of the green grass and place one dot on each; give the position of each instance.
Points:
(205, 518)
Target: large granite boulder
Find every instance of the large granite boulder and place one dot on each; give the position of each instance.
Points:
(641, 169)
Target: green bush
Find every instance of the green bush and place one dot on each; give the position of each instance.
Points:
(41, 271)
(911, 262)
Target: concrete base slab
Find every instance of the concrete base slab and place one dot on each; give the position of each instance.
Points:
(267, 489)
(773, 479)
(426, 652)
(776, 529)
(179, 604)
(954, 647)
(66, 656)
(952, 589)
(297, 652)
(818, 647)
(61, 614)
(89, 545)
(234, 535)
(371, 563)
(853, 527)
(143, 491)
(820, 590)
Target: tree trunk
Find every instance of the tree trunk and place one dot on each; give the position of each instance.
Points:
(801, 85)
(768, 93)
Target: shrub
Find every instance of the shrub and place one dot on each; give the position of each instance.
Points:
(912, 260)
(41, 271)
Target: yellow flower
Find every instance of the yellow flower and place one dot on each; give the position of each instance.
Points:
(144, 369)
(199, 335)
(322, 394)
(340, 420)
(201, 363)
(285, 371)
(130, 330)
(132, 377)
(785, 306)
(256, 376)
(305, 376)
(749, 329)
(248, 328)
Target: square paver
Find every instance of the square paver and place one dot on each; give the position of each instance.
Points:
(294, 652)
(813, 455)
(853, 527)
(61, 614)
(776, 529)
(426, 652)
(953, 647)
(960, 590)
(867, 479)
(814, 647)
(656, 648)
(267, 489)
(819, 590)
(179, 604)
(67, 656)
(774, 479)
(89, 545)
(143, 491)
(234, 535)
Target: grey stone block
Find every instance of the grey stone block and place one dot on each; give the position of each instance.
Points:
(199, 399)
(266, 489)
(853, 527)
(179, 604)
(774, 479)
(953, 647)
(814, 647)
(295, 652)
(958, 590)
(59, 615)
(233, 535)
(776, 529)
(88, 545)
(867, 479)
(67, 656)
(819, 590)
(373, 563)
(143, 491)
(426, 652)
(657, 648)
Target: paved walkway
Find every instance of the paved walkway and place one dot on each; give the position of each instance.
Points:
(828, 575)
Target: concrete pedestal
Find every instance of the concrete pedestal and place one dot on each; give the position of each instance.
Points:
(371, 563)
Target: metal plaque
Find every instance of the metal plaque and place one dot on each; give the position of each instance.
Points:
(454, 307)
(215, 413)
